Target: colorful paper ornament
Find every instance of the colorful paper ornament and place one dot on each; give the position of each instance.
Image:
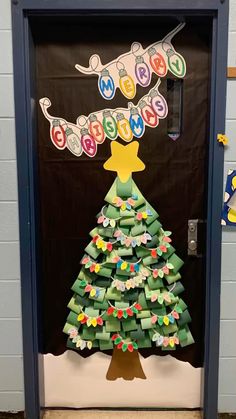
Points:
(58, 135)
(106, 85)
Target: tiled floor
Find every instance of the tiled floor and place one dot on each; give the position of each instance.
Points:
(92, 414)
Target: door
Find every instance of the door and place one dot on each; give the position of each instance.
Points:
(72, 191)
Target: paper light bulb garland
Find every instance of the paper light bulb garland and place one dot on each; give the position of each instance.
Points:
(136, 67)
(91, 131)
(127, 70)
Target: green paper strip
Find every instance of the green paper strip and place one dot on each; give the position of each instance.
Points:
(171, 278)
(131, 295)
(127, 213)
(105, 345)
(101, 306)
(153, 243)
(69, 326)
(125, 230)
(125, 251)
(141, 252)
(86, 274)
(72, 319)
(143, 314)
(142, 301)
(111, 193)
(148, 260)
(106, 231)
(113, 294)
(91, 312)
(103, 335)
(112, 212)
(178, 289)
(105, 272)
(92, 250)
(74, 306)
(112, 324)
(137, 334)
(184, 318)
(182, 334)
(144, 343)
(169, 252)
(154, 227)
(77, 288)
(88, 333)
(127, 221)
(155, 283)
(189, 340)
(147, 324)
(160, 311)
(102, 282)
(121, 304)
(83, 301)
(137, 192)
(176, 262)
(124, 190)
(94, 232)
(182, 304)
(138, 229)
(129, 324)
(170, 329)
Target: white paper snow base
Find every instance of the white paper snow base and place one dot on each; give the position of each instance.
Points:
(136, 67)
(92, 130)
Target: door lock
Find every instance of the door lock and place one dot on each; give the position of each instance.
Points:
(193, 237)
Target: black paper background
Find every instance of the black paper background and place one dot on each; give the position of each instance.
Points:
(72, 189)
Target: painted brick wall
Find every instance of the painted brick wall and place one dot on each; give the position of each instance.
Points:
(227, 382)
(11, 365)
(11, 376)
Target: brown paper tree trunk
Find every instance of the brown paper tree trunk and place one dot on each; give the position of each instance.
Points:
(125, 365)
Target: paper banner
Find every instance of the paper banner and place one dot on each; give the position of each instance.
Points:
(229, 208)
(92, 130)
(136, 67)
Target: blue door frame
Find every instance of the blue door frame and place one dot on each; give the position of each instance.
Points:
(23, 55)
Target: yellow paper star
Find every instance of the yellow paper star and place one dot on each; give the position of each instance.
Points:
(124, 160)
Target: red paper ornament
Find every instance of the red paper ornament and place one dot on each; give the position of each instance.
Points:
(120, 314)
(99, 321)
(109, 247)
(115, 336)
(130, 347)
(110, 311)
(129, 312)
(58, 135)
(154, 253)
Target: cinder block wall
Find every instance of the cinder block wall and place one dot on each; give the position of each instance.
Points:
(11, 367)
(227, 381)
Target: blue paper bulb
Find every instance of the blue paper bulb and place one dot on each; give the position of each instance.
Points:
(106, 85)
(136, 123)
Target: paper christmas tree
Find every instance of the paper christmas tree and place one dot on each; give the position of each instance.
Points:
(127, 294)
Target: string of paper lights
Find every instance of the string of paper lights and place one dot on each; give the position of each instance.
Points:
(90, 131)
(136, 67)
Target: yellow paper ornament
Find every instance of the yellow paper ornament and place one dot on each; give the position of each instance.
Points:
(92, 292)
(80, 317)
(166, 320)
